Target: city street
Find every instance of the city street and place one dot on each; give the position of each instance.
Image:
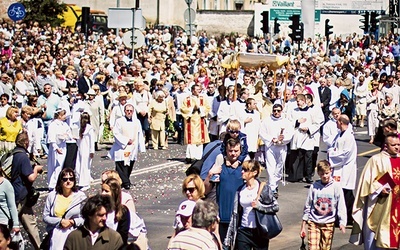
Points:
(157, 179)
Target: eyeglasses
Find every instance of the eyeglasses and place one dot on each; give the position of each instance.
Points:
(191, 189)
(276, 110)
(129, 110)
(233, 131)
(65, 179)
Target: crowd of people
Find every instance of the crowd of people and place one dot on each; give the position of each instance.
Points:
(61, 97)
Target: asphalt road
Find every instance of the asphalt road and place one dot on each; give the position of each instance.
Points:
(157, 178)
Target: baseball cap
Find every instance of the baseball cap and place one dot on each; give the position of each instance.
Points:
(186, 208)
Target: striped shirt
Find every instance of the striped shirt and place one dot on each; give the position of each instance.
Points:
(193, 239)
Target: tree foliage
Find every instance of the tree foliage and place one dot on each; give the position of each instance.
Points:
(44, 11)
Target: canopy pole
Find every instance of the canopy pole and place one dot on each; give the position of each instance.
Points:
(286, 81)
(235, 87)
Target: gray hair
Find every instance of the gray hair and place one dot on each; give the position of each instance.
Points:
(205, 213)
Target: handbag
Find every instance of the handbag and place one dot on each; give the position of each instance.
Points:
(10, 221)
(268, 224)
(32, 197)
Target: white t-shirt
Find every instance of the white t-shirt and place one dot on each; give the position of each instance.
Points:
(247, 196)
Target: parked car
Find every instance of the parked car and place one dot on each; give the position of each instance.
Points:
(98, 23)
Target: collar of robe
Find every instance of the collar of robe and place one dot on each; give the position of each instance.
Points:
(249, 111)
(128, 119)
(304, 109)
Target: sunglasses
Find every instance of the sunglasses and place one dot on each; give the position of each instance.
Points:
(276, 110)
(65, 179)
(233, 131)
(128, 110)
(191, 190)
(246, 170)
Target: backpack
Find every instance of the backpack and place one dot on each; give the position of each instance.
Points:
(6, 162)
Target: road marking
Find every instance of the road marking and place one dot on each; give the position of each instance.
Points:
(369, 152)
(138, 172)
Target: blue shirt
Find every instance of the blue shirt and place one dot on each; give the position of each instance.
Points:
(20, 171)
(230, 181)
(210, 160)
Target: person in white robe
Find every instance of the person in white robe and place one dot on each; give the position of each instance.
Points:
(250, 123)
(342, 156)
(97, 119)
(129, 141)
(330, 129)
(276, 132)
(118, 110)
(58, 134)
(302, 144)
(85, 141)
(225, 111)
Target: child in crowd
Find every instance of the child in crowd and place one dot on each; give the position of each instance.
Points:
(325, 200)
(233, 131)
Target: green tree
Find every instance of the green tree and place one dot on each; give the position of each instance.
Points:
(44, 11)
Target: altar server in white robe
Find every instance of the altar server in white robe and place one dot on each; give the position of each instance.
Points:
(319, 119)
(58, 134)
(342, 156)
(86, 148)
(250, 121)
(276, 132)
(330, 129)
(129, 141)
(225, 111)
(302, 145)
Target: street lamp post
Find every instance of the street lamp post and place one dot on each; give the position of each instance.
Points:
(189, 2)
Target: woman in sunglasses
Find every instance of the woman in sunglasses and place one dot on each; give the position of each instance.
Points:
(62, 211)
(193, 188)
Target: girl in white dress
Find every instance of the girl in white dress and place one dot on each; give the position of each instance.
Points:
(59, 133)
(85, 155)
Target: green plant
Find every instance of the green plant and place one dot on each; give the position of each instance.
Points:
(44, 12)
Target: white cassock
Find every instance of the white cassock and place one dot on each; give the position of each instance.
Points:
(330, 131)
(237, 109)
(97, 118)
(251, 128)
(83, 161)
(58, 134)
(275, 154)
(342, 156)
(224, 114)
(318, 120)
(123, 132)
(213, 127)
(116, 113)
(303, 140)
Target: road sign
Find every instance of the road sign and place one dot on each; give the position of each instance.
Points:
(16, 12)
(138, 40)
(189, 15)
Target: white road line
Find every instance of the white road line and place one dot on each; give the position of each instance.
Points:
(138, 172)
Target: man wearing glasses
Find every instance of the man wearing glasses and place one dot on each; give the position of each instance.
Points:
(128, 141)
(276, 132)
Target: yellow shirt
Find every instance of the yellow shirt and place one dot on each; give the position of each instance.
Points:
(9, 130)
(62, 204)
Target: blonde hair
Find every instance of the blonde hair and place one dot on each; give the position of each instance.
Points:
(198, 183)
(233, 125)
(11, 110)
(111, 174)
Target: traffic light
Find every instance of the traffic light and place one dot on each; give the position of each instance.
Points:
(85, 21)
(328, 28)
(265, 22)
(297, 31)
(374, 22)
(365, 22)
(276, 26)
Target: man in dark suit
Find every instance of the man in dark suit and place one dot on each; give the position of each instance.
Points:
(325, 97)
(85, 83)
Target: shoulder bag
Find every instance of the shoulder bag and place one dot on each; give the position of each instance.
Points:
(268, 224)
(10, 221)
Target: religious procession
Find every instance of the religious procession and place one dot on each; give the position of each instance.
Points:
(233, 108)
